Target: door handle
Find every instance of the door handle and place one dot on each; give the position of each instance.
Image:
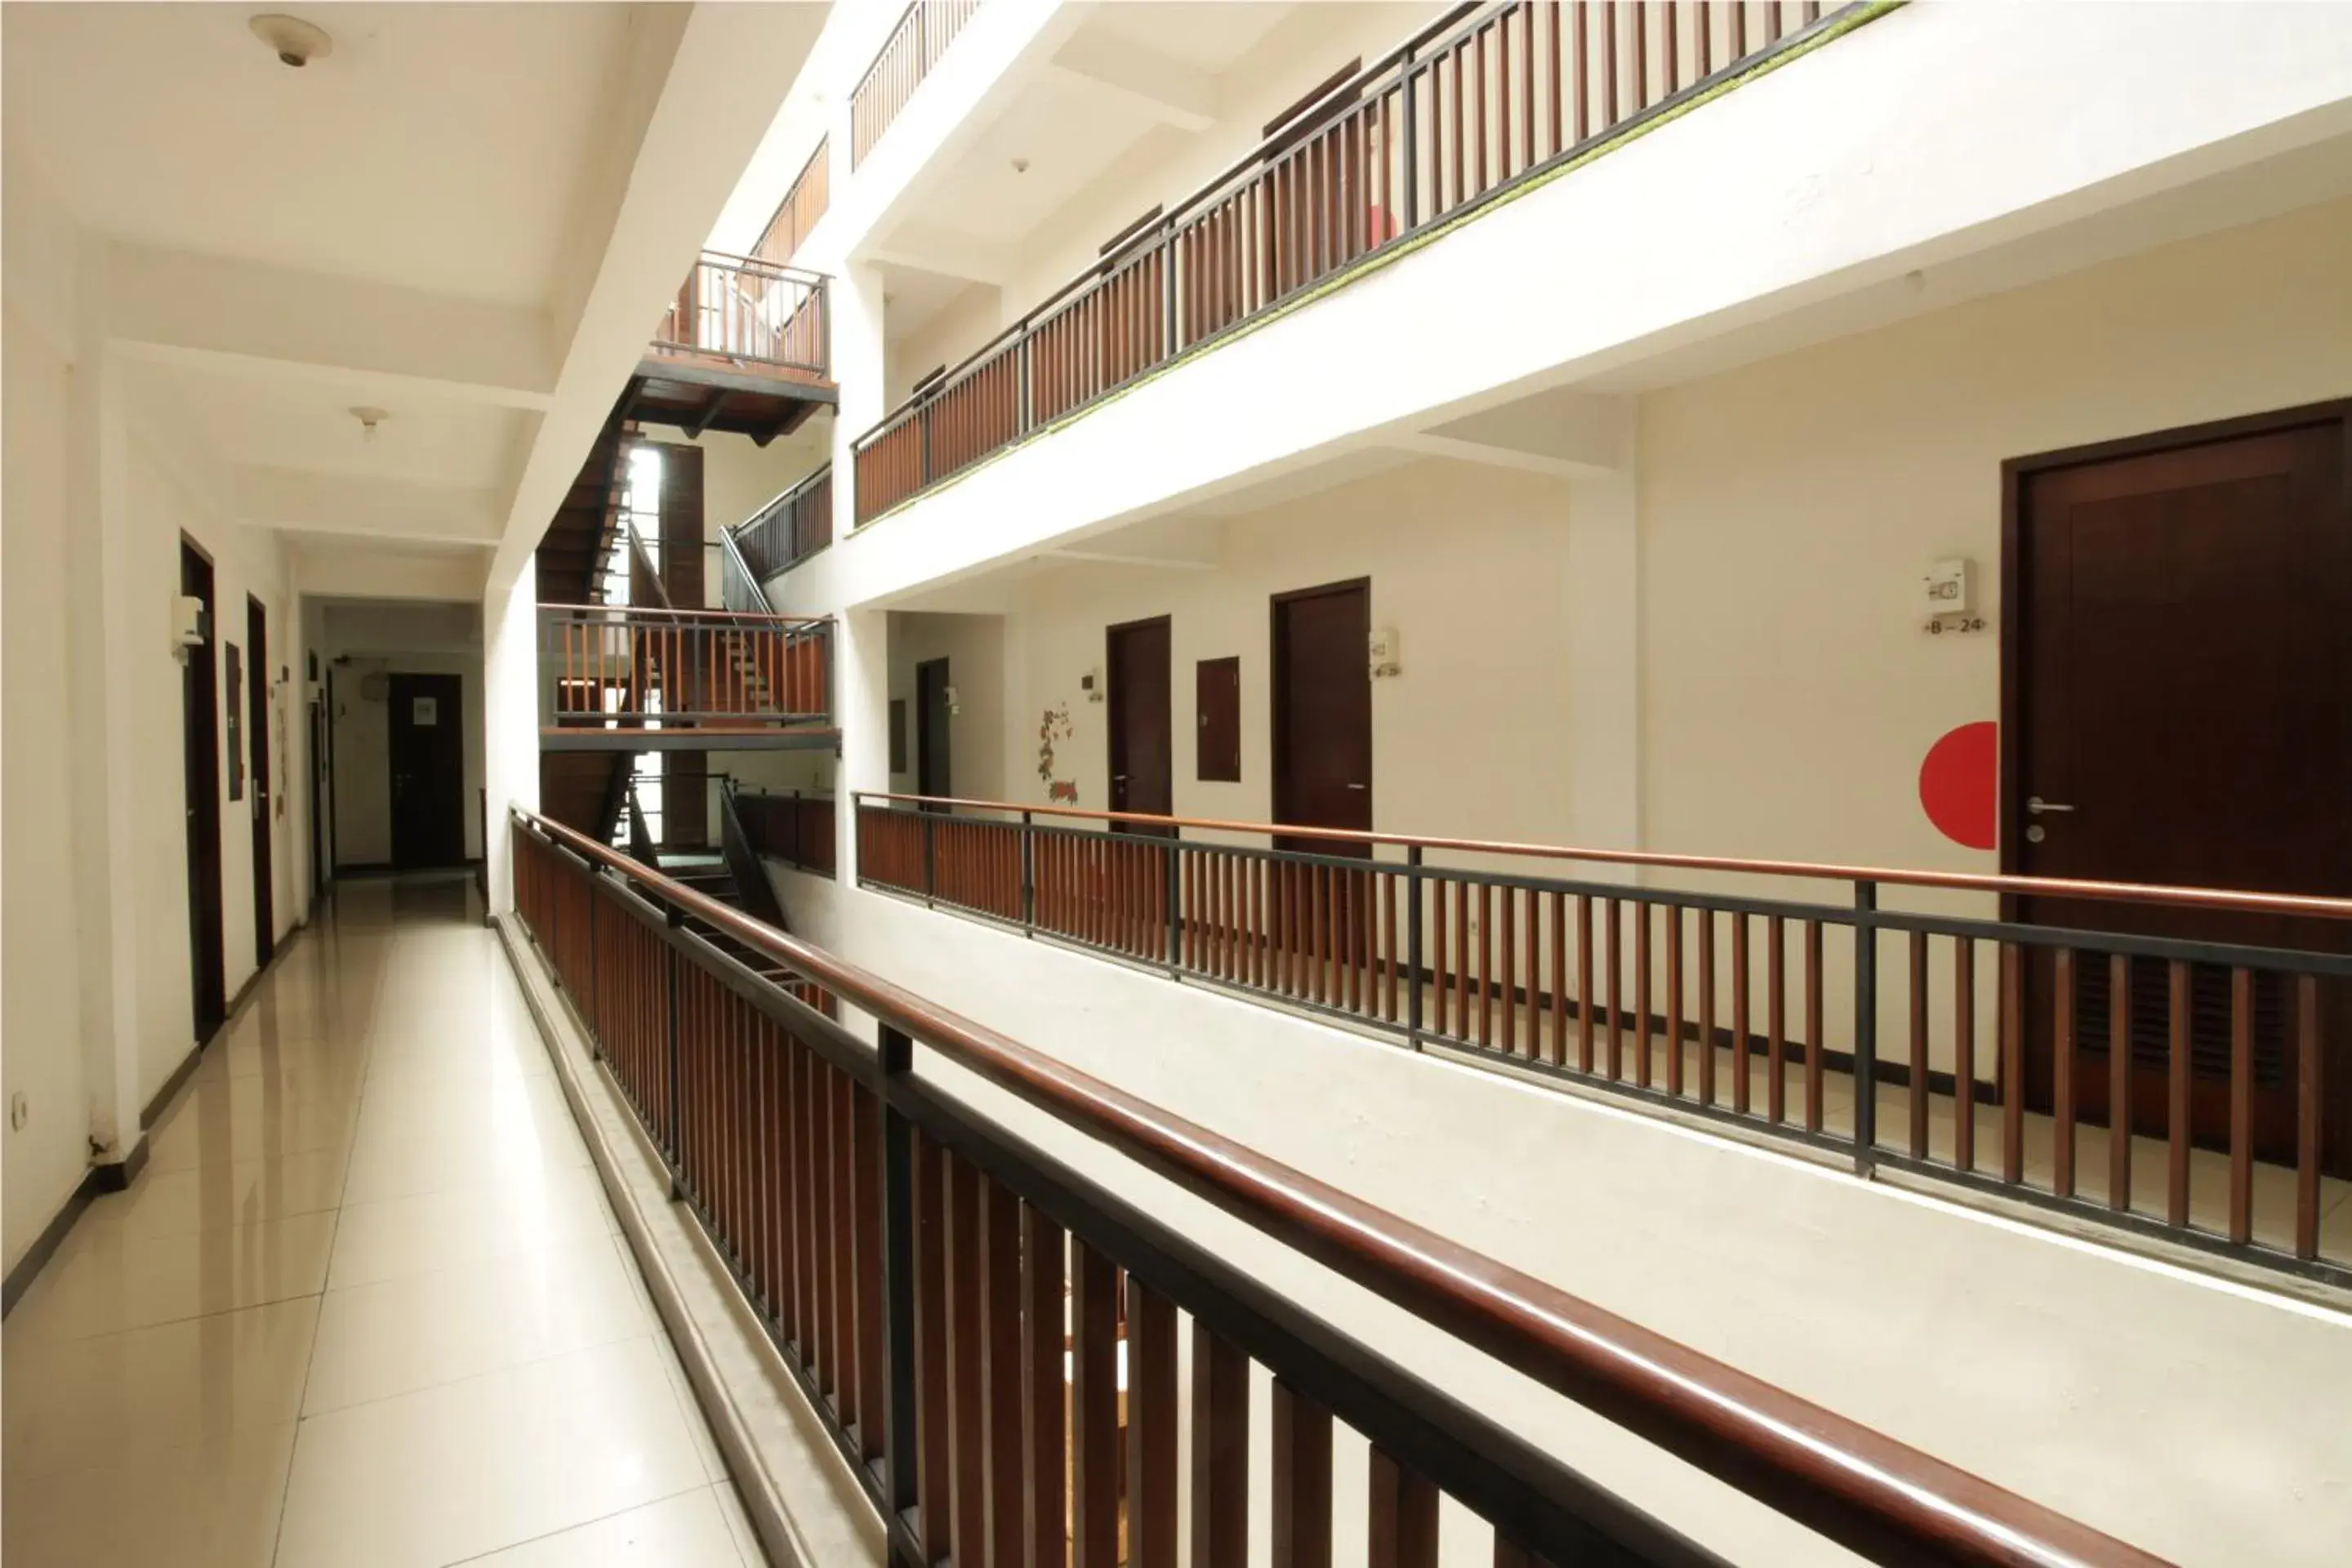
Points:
(1359, 786)
(2035, 806)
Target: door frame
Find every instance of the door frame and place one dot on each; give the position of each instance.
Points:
(1279, 706)
(258, 759)
(457, 687)
(924, 737)
(1117, 738)
(2015, 472)
(207, 945)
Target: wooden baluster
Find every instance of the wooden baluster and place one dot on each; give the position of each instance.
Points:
(1094, 1409)
(1586, 996)
(1220, 1470)
(1044, 1520)
(1302, 1481)
(2308, 1101)
(1919, 1107)
(1389, 955)
(865, 1165)
(1673, 913)
(1402, 1530)
(932, 1411)
(1509, 1039)
(1964, 1053)
(1530, 923)
(1706, 1004)
(1616, 973)
(2119, 1082)
(2241, 1104)
(1437, 958)
(967, 1347)
(2011, 1031)
(1150, 1427)
(1642, 994)
(1556, 1049)
(1816, 1042)
(2061, 1160)
(1462, 960)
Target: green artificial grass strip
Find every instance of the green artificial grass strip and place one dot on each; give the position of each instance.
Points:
(1857, 16)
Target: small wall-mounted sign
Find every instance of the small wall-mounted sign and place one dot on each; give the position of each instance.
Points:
(424, 712)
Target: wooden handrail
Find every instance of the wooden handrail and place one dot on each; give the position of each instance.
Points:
(2237, 901)
(1876, 1495)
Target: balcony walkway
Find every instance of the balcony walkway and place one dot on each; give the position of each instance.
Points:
(366, 1305)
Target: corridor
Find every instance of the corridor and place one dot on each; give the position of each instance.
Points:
(366, 1306)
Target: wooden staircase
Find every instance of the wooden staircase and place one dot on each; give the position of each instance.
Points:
(579, 538)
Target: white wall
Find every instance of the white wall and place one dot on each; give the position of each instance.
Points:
(1467, 564)
(422, 640)
(40, 1006)
(975, 647)
(2081, 1377)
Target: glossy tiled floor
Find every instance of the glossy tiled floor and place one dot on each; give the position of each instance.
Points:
(367, 1305)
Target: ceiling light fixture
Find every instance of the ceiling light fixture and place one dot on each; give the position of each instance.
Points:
(1020, 165)
(295, 42)
(369, 419)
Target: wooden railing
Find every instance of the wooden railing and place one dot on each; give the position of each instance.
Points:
(634, 668)
(739, 308)
(790, 528)
(791, 827)
(1467, 109)
(915, 46)
(799, 211)
(1997, 1044)
(991, 1337)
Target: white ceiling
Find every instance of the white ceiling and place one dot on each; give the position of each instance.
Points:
(441, 147)
(251, 416)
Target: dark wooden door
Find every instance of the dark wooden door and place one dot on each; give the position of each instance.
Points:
(2180, 630)
(319, 794)
(200, 749)
(1142, 743)
(1323, 709)
(256, 720)
(427, 751)
(934, 769)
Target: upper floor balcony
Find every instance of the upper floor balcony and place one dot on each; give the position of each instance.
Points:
(1465, 112)
(746, 347)
(635, 678)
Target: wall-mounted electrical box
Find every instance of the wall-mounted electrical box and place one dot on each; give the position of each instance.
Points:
(1950, 590)
(189, 621)
(1387, 656)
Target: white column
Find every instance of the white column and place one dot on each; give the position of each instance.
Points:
(112, 628)
(510, 720)
(861, 693)
(1603, 606)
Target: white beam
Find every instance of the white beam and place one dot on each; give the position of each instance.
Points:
(927, 248)
(210, 312)
(1567, 434)
(338, 569)
(318, 502)
(1120, 71)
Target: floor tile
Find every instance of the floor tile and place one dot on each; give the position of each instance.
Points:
(532, 1212)
(392, 1167)
(418, 1331)
(684, 1532)
(247, 1125)
(503, 1459)
(74, 1404)
(215, 1196)
(213, 1504)
(102, 1282)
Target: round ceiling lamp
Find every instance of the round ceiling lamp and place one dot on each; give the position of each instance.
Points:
(295, 42)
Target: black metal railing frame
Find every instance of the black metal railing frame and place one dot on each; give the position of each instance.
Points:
(1160, 240)
(1544, 1505)
(1863, 919)
(760, 561)
(793, 857)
